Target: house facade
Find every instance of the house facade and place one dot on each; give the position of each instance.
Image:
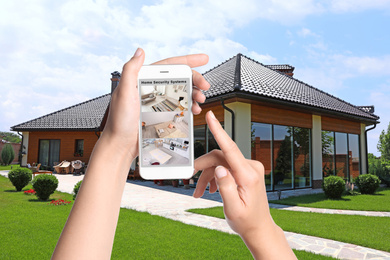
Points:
(301, 134)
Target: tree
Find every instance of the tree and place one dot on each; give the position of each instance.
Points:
(384, 144)
(7, 154)
(10, 137)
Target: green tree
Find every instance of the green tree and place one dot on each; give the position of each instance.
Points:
(10, 137)
(7, 154)
(384, 144)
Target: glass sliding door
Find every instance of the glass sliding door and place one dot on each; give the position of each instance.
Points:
(200, 140)
(328, 164)
(302, 157)
(49, 152)
(261, 147)
(354, 155)
(341, 155)
(283, 155)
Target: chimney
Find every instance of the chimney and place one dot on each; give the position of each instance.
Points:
(116, 76)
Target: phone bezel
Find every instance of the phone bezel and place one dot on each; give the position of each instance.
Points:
(179, 71)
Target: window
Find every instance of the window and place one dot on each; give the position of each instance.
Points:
(200, 140)
(302, 157)
(340, 154)
(285, 152)
(328, 163)
(261, 146)
(48, 153)
(353, 155)
(79, 148)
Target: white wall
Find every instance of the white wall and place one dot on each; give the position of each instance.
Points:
(25, 144)
(170, 92)
(363, 155)
(317, 147)
(242, 117)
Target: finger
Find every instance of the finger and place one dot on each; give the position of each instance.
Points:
(198, 96)
(212, 159)
(204, 179)
(196, 109)
(199, 81)
(194, 60)
(130, 71)
(213, 186)
(232, 153)
(227, 186)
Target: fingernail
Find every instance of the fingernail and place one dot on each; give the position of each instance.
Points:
(212, 115)
(138, 52)
(220, 172)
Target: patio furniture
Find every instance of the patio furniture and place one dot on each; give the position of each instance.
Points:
(63, 167)
(134, 174)
(35, 170)
(76, 166)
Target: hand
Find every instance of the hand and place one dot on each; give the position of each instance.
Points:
(122, 122)
(242, 188)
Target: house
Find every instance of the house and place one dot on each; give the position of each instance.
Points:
(300, 133)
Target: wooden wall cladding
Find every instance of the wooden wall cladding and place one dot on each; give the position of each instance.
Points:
(67, 145)
(217, 109)
(279, 116)
(340, 125)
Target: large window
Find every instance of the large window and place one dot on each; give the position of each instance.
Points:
(204, 140)
(49, 153)
(262, 149)
(200, 140)
(340, 154)
(285, 152)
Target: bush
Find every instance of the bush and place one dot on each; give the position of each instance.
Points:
(20, 177)
(45, 185)
(7, 154)
(367, 183)
(333, 186)
(76, 189)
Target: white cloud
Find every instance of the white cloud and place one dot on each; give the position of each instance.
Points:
(343, 6)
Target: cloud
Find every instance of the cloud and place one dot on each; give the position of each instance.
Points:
(343, 6)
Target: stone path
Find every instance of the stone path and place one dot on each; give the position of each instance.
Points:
(172, 203)
(331, 211)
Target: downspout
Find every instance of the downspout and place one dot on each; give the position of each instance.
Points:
(96, 132)
(365, 133)
(231, 111)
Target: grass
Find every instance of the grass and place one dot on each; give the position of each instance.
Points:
(8, 167)
(370, 232)
(380, 201)
(33, 228)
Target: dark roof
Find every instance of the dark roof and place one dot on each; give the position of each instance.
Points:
(241, 76)
(84, 116)
(281, 67)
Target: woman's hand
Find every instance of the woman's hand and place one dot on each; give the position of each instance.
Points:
(242, 188)
(123, 118)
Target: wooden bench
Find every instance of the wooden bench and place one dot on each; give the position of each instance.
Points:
(42, 172)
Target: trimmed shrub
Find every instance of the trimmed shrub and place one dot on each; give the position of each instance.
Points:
(367, 183)
(76, 189)
(45, 185)
(7, 154)
(333, 186)
(20, 177)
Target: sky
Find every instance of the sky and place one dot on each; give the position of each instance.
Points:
(55, 54)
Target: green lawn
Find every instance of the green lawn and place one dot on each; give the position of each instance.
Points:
(373, 232)
(380, 201)
(8, 167)
(30, 230)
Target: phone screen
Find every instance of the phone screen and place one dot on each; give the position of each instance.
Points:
(166, 122)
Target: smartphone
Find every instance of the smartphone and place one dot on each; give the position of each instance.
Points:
(166, 149)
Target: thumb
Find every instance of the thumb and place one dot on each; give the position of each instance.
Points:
(228, 189)
(131, 69)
